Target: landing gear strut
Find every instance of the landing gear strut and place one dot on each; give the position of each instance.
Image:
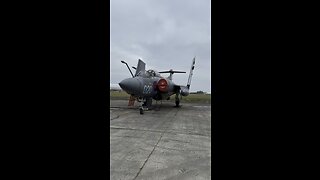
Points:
(177, 100)
(141, 104)
(145, 103)
(141, 110)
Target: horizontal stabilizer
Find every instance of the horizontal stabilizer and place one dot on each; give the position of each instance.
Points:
(172, 72)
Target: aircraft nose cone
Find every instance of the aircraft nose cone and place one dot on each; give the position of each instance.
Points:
(130, 85)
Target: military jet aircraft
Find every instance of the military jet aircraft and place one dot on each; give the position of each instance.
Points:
(147, 85)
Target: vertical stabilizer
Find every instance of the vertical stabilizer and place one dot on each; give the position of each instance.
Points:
(191, 72)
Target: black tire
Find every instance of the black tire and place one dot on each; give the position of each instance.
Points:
(177, 103)
(141, 111)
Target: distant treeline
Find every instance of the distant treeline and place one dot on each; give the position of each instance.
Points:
(198, 92)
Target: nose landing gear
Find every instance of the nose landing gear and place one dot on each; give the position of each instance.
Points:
(145, 103)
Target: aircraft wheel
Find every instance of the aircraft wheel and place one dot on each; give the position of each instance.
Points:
(177, 103)
(141, 111)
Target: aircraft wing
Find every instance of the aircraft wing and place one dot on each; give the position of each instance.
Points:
(140, 67)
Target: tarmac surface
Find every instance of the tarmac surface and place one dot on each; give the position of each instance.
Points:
(164, 143)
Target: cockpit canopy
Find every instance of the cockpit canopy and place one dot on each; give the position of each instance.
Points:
(152, 73)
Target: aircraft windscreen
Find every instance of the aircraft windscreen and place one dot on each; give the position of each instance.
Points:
(151, 73)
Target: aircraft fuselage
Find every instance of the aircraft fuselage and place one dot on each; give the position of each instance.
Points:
(148, 87)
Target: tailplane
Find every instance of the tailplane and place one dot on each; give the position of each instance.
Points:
(171, 72)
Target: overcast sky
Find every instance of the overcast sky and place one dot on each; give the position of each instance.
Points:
(165, 34)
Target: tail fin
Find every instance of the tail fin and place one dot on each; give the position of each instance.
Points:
(140, 67)
(191, 72)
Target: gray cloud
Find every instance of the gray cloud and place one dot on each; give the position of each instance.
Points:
(165, 34)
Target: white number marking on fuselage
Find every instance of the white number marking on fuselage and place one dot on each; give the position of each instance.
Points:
(147, 89)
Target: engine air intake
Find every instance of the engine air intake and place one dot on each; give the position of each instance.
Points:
(163, 85)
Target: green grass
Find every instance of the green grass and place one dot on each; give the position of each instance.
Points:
(203, 98)
(116, 95)
(192, 98)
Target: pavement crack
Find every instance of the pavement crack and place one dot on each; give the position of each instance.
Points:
(173, 143)
(154, 147)
(115, 118)
(161, 131)
(136, 129)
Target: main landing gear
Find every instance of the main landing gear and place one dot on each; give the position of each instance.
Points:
(177, 100)
(141, 110)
